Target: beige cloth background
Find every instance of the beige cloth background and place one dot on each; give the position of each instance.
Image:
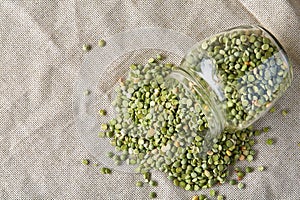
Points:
(40, 57)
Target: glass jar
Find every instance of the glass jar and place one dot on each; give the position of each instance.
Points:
(236, 76)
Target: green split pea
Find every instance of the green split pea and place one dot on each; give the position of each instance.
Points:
(85, 162)
(101, 43)
(86, 47)
(152, 195)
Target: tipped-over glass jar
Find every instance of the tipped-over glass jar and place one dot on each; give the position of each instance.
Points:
(235, 76)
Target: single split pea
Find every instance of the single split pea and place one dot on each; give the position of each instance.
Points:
(284, 112)
(260, 168)
(139, 184)
(86, 47)
(101, 43)
(102, 112)
(269, 141)
(85, 162)
(220, 197)
(241, 185)
(152, 195)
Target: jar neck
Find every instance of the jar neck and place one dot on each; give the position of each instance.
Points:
(210, 102)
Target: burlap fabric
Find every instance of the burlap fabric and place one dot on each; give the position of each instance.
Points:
(40, 61)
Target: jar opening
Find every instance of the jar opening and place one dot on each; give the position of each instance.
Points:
(204, 99)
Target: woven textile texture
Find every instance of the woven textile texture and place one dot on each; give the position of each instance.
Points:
(40, 60)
